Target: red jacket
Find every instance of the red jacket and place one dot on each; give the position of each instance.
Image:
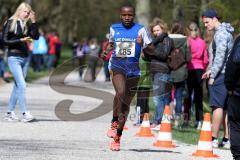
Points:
(52, 42)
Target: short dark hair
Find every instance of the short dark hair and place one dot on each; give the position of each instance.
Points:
(127, 6)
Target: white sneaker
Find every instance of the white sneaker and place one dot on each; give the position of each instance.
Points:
(11, 117)
(176, 121)
(27, 117)
(225, 145)
(215, 143)
(157, 128)
(199, 125)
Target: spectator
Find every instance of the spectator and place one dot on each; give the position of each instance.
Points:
(58, 50)
(232, 82)
(196, 67)
(52, 43)
(17, 32)
(40, 50)
(222, 45)
(74, 50)
(81, 51)
(160, 70)
(92, 57)
(179, 76)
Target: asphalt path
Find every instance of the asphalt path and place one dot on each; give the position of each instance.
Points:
(68, 137)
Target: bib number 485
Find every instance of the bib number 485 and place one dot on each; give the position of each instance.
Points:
(124, 51)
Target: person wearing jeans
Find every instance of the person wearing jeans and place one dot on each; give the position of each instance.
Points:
(179, 76)
(162, 95)
(179, 89)
(16, 34)
(159, 69)
(17, 66)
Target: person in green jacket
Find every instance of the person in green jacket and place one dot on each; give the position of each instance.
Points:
(179, 76)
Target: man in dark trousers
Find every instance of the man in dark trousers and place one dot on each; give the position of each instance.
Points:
(232, 82)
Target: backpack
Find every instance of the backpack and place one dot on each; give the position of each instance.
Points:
(176, 59)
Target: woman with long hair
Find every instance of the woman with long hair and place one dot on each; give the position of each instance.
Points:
(196, 68)
(179, 76)
(19, 30)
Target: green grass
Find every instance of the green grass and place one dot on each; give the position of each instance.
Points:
(188, 135)
(31, 76)
(66, 54)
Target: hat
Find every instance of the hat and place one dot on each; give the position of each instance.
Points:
(211, 13)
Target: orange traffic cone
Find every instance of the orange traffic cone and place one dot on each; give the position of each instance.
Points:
(165, 134)
(205, 141)
(145, 130)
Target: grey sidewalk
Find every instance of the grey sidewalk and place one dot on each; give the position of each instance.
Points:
(52, 139)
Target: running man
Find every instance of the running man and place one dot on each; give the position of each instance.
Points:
(127, 40)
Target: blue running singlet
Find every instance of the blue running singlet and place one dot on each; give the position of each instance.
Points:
(126, 53)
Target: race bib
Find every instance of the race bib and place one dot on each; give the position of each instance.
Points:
(125, 49)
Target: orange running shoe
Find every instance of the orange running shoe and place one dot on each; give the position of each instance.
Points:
(115, 144)
(112, 132)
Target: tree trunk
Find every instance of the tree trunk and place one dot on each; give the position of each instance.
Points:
(143, 11)
(203, 7)
(177, 12)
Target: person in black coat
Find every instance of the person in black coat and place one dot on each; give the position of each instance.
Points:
(232, 83)
(159, 68)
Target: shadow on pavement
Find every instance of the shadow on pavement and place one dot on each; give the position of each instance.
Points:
(151, 150)
(46, 120)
